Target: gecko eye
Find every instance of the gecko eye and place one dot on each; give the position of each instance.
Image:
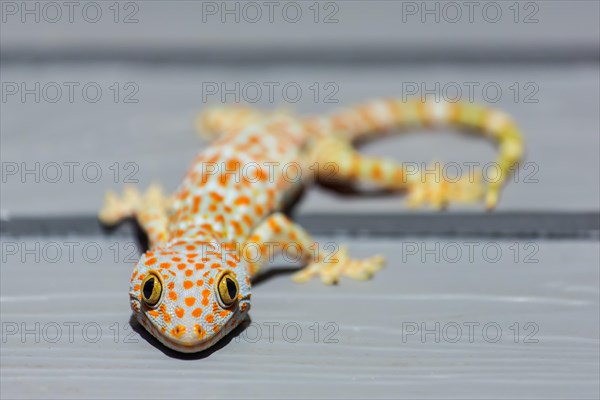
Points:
(227, 289)
(151, 288)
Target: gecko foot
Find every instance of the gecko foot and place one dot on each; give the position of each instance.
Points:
(117, 208)
(331, 271)
(437, 190)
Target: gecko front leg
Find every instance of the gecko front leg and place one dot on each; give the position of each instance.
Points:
(149, 209)
(278, 229)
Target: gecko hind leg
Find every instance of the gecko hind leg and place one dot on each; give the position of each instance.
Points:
(424, 187)
(331, 271)
(279, 229)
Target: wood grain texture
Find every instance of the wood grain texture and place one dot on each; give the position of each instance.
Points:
(157, 135)
(374, 356)
(361, 30)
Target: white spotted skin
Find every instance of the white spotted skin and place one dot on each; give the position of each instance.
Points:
(262, 147)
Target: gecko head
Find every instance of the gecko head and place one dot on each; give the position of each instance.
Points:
(188, 300)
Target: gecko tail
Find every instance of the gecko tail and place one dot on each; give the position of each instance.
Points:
(375, 117)
(217, 120)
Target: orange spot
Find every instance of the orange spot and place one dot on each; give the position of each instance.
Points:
(224, 313)
(199, 266)
(136, 288)
(171, 285)
(196, 204)
(176, 259)
(150, 261)
(230, 246)
(211, 281)
(247, 219)
(377, 172)
(165, 265)
(200, 282)
(133, 276)
(242, 200)
(190, 247)
(274, 226)
(187, 285)
(238, 228)
(216, 265)
(197, 313)
(231, 264)
(189, 301)
(205, 294)
(215, 328)
(179, 312)
(181, 266)
(216, 197)
(188, 272)
(172, 295)
(210, 318)
(154, 313)
(178, 331)
(199, 331)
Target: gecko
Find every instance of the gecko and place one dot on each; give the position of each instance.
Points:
(209, 239)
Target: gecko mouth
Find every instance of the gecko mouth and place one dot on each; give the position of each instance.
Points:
(189, 340)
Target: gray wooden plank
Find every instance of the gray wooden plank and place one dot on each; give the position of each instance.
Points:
(155, 135)
(551, 284)
(490, 225)
(396, 30)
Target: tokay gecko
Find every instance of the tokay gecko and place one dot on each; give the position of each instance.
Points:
(211, 237)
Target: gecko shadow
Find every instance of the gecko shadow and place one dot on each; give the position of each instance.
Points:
(137, 327)
(346, 189)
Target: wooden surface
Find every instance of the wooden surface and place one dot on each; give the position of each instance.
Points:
(375, 355)
(168, 55)
(560, 130)
(348, 30)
